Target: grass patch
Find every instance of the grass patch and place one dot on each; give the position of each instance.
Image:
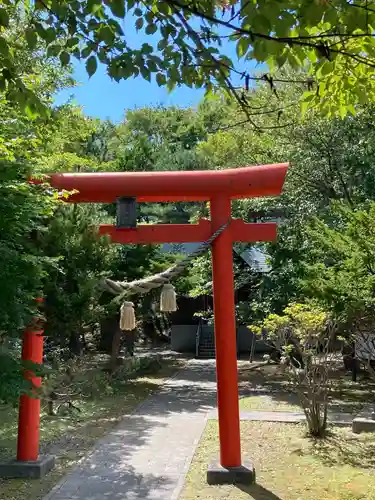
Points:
(267, 403)
(345, 397)
(290, 466)
(103, 400)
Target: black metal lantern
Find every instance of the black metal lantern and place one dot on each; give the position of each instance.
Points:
(126, 215)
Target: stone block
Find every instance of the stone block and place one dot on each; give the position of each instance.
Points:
(363, 424)
(34, 470)
(244, 474)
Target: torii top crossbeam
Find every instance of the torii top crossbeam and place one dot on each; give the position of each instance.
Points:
(197, 185)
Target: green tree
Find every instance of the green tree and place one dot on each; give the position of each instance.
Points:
(339, 270)
(162, 138)
(98, 145)
(25, 210)
(66, 142)
(331, 161)
(72, 289)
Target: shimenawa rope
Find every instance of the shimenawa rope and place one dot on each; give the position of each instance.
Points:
(168, 296)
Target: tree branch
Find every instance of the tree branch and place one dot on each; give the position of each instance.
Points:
(302, 41)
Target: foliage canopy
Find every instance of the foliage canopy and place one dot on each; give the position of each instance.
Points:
(331, 44)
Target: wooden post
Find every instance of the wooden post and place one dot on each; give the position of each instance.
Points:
(126, 215)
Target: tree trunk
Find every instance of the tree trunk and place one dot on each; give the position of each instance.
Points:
(129, 342)
(116, 344)
(108, 327)
(74, 345)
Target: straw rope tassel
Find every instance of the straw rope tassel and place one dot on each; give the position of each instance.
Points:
(168, 299)
(127, 316)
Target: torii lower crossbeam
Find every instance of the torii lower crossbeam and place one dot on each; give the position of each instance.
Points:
(224, 307)
(146, 234)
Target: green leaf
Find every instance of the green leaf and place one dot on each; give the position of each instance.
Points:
(65, 58)
(4, 48)
(362, 96)
(152, 66)
(115, 25)
(150, 17)
(145, 72)
(162, 44)
(31, 38)
(31, 112)
(86, 52)
(118, 8)
(242, 46)
(326, 68)
(53, 50)
(304, 107)
(72, 42)
(164, 8)
(4, 17)
(91, 65)
(151, 29)
(105, 34)
(343, 111)
(139, 23)
(160, 79)
(262, 23)
(281, 60)
(92, 6)
(146, 49)
(49, 35)
(260, 51)
(309, 96)
(102, 56)
(173, 74)
(171, 85)
(331, 16)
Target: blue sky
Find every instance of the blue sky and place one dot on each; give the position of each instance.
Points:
(104, 98)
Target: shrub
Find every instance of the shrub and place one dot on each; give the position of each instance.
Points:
(303, 335)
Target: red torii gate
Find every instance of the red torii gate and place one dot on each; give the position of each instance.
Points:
(218, 187)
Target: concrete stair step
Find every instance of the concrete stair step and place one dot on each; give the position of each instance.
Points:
(206, 348)
(209, 353)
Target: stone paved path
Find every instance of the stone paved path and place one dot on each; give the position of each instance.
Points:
(148, 455)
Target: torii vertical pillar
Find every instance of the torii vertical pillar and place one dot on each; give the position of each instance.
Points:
(29, 464)
(225, 336)
(230, 468)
